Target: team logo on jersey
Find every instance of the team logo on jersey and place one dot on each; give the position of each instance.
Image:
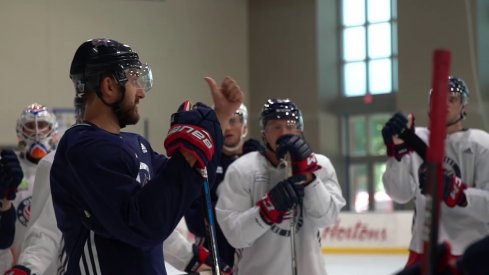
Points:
(143, 174)
(24, 211)
(143, 148)
(283, 228)
(219, 170)
(451, 167)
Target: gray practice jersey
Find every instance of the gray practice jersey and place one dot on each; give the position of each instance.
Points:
(467, 157)
(266, 249)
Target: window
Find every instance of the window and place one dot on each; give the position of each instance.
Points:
(369, 52)
(365, 154)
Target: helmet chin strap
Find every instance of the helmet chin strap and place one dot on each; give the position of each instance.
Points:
(116, 106)
(462, 117)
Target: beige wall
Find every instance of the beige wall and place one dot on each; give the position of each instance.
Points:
(183, 40)
(294, 53)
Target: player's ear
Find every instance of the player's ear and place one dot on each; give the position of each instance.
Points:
(109, 89)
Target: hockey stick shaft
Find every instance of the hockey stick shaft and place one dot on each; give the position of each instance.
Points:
(209, 222)
(434, 158)
(288, 173)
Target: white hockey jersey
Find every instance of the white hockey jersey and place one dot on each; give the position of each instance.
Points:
(266, 249)
(467, 157)
(22, 205)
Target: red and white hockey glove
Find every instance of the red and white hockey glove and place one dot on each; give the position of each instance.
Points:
(202, 260)
(18, 270)
(303, 159)
(281, 198)
(395, 127)
(196, 130)
(453, 187)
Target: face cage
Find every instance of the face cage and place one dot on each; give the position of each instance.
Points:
(30, 126)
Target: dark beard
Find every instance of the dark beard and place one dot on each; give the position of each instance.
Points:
(127, 116)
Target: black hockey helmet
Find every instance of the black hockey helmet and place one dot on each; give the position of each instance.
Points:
(102, 56)
(457, 85)
(281, 109)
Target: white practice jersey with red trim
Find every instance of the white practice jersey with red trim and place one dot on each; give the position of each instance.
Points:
(467, 157)
(266, 249)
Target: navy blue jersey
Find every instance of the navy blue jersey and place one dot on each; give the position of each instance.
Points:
(7, 228)
(116, 200)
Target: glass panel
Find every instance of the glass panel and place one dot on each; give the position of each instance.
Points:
(375, 124)
(380, 76)
(379, 40)
(378, 10)
(382, 201)
(353, 12)
(354, 44)
(359, 191)
(355, 81)
(358, 137)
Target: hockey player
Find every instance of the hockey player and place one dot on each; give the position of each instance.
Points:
(466, 183)
(37, 132)
(41, 245)
(257, 199)
(148, 193)
(234, 146)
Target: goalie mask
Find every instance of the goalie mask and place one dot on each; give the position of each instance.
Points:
(37, 131)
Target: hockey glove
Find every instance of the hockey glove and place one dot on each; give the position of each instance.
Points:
(281, 198)
(397, 125)
(18, 270)
(11, 174)
(453, 187)
(202, 260)
(252, 145)
(303, 159)
(196, 130)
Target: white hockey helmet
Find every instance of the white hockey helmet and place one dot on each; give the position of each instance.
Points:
(37, 131)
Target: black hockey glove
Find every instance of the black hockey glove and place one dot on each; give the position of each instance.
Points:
(252, 145)
(202, 260)
(11, 174)
(397, 125)
(453, 187)
(303, 159)
(281, 198)
(18, 270)
(196, 130)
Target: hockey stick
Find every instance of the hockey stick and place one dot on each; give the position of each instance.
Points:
(209, 222)
(287, 162)
(434, 159)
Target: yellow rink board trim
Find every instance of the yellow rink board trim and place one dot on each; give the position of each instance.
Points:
(365, 250)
